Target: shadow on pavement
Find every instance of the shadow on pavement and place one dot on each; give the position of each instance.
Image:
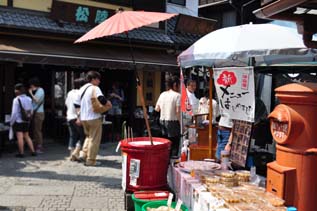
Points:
(54, 165)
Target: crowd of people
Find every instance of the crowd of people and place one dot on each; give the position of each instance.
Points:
(85, 125)
(84, 122)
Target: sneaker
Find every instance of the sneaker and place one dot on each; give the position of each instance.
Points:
(19, 155)
(81, 160)
(39, 151)
(33, 154)
(75, 158)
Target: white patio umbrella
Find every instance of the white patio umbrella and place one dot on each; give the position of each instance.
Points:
(233, 46)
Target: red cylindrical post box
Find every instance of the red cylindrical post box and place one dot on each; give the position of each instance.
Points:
(294, 126)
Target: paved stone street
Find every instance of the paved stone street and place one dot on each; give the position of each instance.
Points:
(51, 182)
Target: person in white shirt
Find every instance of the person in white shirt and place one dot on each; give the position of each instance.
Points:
(76, 132)
(193, 100)
(92, 121)
(168, 104)
(215, 111)
(21, 126)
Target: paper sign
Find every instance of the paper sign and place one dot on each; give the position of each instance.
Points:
(235, 91)
(134, 168)
(133, 181)
(169, 201)
(178, 205)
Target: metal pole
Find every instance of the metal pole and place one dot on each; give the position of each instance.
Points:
(211, 155)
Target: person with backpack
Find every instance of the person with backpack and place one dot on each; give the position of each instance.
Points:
(21, 115)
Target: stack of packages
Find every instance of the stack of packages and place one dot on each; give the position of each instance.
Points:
(231, 191)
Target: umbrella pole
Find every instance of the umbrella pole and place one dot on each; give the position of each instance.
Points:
(139, 87)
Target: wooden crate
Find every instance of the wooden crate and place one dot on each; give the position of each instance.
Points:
(199, 152)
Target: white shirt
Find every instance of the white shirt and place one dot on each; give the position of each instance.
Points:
(58, 91)
(168, 102)
(72, 96)
(193, 100)
(16, 115)
(215, 111)
(86, 112)
(225, 121)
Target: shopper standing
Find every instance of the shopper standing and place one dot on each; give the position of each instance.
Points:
(92, 122)
(19, 124)
(193, 100)
(168, 104)
(76, 131)
(38, 96)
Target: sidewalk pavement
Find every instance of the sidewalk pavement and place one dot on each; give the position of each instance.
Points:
(51, 182)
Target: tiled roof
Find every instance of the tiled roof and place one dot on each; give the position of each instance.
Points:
(180, 38)
(38, 21)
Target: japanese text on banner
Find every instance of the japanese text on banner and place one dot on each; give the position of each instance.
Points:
(235, 91)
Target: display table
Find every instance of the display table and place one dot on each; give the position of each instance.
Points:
(215, 190)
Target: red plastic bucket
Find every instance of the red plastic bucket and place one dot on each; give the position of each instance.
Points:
(145, 165)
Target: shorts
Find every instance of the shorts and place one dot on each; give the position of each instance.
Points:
(21, 127)
(115, 110)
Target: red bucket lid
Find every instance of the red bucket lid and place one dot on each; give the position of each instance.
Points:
(144, 143)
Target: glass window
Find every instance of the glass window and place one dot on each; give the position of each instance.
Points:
(179, 2)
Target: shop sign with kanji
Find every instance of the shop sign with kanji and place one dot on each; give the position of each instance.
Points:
(235, 92)
(77, 13)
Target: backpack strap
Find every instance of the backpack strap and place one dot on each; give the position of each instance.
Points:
(82, 95)
(21, 107)
(38, 106)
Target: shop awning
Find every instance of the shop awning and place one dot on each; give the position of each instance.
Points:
(53, 52)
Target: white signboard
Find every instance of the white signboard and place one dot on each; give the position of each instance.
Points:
(235, 91)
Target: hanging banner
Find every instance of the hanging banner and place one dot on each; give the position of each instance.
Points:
(235, 91)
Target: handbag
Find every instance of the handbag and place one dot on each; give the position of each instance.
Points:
(97, 107)
(26, 115)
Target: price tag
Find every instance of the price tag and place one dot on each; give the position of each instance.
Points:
(169, 201)
(178, 205)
